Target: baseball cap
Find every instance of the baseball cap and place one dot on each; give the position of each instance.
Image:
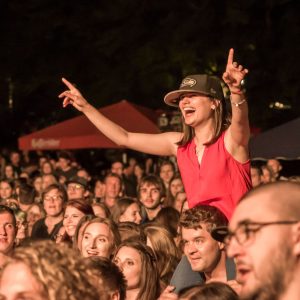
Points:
(79, 180)
(219, 233)
(199, 83)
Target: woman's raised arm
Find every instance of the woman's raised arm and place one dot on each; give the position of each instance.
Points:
(158, 144)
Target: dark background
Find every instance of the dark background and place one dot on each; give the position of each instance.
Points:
(139, 50)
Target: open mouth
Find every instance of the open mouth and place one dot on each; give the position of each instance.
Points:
(188, 111)
(92, 253)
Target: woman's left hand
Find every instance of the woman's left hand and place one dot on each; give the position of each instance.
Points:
(234, 74)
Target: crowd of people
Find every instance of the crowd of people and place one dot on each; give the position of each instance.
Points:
(191, 228)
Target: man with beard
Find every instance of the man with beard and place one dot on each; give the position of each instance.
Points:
(264, 240)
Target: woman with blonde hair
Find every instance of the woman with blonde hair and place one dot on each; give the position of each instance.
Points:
(137, 262)
(164, 248)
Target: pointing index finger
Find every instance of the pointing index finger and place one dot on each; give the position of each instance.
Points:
(230, 56)
(68, 84)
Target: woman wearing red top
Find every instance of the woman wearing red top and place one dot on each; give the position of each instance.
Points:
(200, 99)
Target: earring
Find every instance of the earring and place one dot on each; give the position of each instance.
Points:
(213, 107)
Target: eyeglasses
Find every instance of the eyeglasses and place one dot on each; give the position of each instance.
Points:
(74, 187)
(245, 231)
(54, 198)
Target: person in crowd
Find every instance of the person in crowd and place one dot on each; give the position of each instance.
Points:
(207, 136)
(184, 206)
(113, 188)
(99, 190)
(137, 262)
(264, 239)
(82, 172)
(117, 167)
(100, 237)
(131, 231)
(209, 291)
(47, 168)
(267, 174)
(77, 188)
(9, 172)
(47, 180)
(168, 217)
(26, 196)
(6, 190)
(22, 227)
(179, 200)
(175, 186)
(276, 167)
(205, 258)
(127, 210)
(54, 197)
(75, 209)
(106, 277)
(101, 210)
(65, 171)
(139, 172)
(165, 250)
(256, 175)
(151, 193)
(8, 231)
(35, 212)
(37, 183)
(15, 161)
(46, 271)
(166, 172)
(77, 239)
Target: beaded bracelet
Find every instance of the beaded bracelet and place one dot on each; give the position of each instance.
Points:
(237, 104)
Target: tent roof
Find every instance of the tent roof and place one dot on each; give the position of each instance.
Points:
(79, 132)
(279, 142)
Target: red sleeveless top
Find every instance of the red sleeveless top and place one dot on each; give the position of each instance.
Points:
(219, 181)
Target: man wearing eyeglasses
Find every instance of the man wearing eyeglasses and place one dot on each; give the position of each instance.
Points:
(264, 239)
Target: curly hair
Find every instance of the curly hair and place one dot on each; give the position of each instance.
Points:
(56, 269)
(209, 215)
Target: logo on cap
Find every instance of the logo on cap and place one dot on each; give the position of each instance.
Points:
(212, 91)
(188, 82)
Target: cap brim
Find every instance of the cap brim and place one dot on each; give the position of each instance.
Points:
(172, 98)
(219, 233)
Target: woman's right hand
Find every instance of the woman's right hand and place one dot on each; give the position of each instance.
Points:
(73, 96)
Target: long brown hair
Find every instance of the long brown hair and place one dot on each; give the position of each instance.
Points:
(221, 123)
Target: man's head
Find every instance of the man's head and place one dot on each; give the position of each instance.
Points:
(203, 252)
(8, 230)
(117, 167)
(26, 196)
(256, 175)
(77, 188)
(64, 160)
(151, 191)
(264, 240)
(47, 180)
(113, 186)
(275, 166)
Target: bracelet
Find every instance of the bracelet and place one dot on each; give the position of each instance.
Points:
(237, 104)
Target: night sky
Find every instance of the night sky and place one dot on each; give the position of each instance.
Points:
(139, 50)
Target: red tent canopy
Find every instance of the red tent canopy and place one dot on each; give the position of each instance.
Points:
(79, 132)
